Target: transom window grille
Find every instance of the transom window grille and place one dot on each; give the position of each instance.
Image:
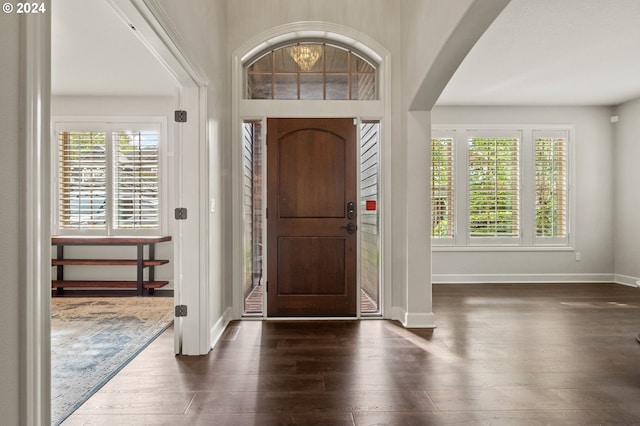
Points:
(108, 181)
(311, 71)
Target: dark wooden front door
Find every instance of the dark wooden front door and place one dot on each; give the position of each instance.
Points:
(311, 236)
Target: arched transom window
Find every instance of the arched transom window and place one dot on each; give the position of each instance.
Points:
(311, 71)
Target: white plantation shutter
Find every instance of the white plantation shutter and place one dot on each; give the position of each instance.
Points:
(442, 221)
(505, 186)
(551, 183)
(135, 180)
(494, 199)
(82, 180)
(108, 178)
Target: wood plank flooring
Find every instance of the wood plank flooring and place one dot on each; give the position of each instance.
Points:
(500, 355)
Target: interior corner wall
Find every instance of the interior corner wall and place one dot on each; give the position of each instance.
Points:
(13, 234)
(593, 187)
(627, 198)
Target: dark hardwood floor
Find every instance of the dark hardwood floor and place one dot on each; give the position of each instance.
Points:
(500, 355)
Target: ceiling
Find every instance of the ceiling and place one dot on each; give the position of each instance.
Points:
(537, 52)
(93, 52)
(553, 52)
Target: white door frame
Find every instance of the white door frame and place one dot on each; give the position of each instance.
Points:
(244, 109)
(191, 243)
(35, 43)
(35, 393)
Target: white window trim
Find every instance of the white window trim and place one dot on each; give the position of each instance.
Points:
(528, 241)
(108, 124)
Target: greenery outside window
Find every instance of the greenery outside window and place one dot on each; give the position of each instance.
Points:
(442, 222)
(551, 184)
(494, 186)
(507, 186)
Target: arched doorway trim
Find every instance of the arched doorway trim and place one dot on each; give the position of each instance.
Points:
(246, 109)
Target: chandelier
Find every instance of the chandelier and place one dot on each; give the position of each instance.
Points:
(306, 55)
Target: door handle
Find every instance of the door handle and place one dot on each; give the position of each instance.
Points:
(351, 228)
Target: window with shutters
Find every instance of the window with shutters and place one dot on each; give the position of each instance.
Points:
(442, 187)
(506, 186)
(551, 184)
(82, 177)
(494, 190)
(108, 178)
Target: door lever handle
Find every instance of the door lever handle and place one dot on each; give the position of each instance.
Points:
(351, 228)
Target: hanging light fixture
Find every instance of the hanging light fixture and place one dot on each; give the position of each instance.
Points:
(306, 55)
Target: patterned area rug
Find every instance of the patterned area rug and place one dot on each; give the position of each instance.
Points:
(94, 338)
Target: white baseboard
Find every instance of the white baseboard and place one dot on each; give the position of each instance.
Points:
(521, 278)
(627, 280)
(397, 313)
(413, 320)
(220, 325)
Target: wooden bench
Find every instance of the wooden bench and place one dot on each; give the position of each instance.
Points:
(139, 262)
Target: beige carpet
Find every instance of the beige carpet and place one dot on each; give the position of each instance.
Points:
(93, 338)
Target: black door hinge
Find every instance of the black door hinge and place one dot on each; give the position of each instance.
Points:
(181, 213)
(181, 116)
(181, 310)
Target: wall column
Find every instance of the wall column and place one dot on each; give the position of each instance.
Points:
(419, 310)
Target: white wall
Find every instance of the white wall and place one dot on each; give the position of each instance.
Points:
(592, 234)
(120, 106)
(200, 28)
(113, 106)
(627, 192)
(11, 229)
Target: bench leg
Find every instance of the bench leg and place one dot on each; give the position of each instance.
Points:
(152, 270)
(60, 269)
(140, 277)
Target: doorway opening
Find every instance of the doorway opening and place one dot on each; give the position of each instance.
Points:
(367, 218)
